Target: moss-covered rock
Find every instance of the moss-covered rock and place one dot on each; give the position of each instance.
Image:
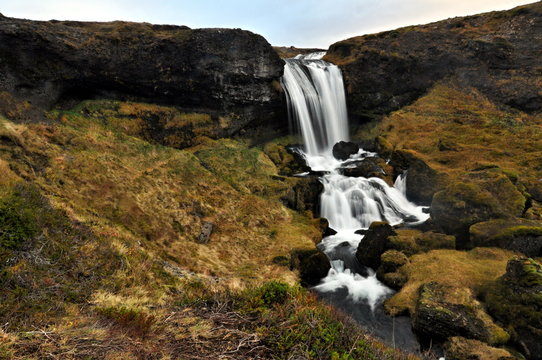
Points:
(515, 234)
(389, 271)
(460, 348)
(480, 196)
(392, 260)
(313, 265)
(472, 269)
(285, 159)
(444, 311)
(515, 299)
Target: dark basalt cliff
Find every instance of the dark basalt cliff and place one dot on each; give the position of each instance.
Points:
(224, 72)
(498, 53)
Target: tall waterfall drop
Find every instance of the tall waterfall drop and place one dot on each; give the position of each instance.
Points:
(317, 110)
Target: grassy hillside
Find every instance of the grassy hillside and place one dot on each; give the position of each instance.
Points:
(101, 255)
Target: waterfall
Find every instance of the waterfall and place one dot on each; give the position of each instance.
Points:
(317, 110)
(316, 101)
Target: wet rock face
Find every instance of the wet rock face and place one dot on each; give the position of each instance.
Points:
(343, 149)
(374, 244)
(492, 52)
(224, 71)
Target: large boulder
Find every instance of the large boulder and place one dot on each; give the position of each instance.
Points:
(230, 73)
(515, 234)
(374, 244)
(313, 265)
(515, 300)
(344, 149)
(422, 181)
(444, 311)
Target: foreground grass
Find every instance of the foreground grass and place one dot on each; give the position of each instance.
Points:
(100, 257)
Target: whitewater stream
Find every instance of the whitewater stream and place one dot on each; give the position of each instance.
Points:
(317, 111)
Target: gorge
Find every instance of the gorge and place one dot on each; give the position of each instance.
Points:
(154, 205)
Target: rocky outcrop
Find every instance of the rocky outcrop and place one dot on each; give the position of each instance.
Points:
(495, 53)
(516, 234)
(443, 311)
(230, 74)
(515, 300)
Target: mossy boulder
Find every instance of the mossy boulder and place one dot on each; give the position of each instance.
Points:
(313, 265)
(444, 311)
(374, 244)
(460, 348)
(422, 181)
(515, 234)
(389, 271)
(515, 300)
(392, 260)
(479, 196)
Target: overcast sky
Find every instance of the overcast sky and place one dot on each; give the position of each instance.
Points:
(302, 23)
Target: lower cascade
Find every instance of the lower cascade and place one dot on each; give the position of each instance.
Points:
(317, 110)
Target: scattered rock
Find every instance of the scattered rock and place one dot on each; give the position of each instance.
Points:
(205, 234)
(444, 311)
(516, 234)
(374, 244)
(343, 149)
(460, 348)
(313, 265)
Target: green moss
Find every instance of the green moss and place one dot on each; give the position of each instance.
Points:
(17, 222)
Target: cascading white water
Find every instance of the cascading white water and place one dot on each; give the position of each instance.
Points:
(317, 107)
(316, 101)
